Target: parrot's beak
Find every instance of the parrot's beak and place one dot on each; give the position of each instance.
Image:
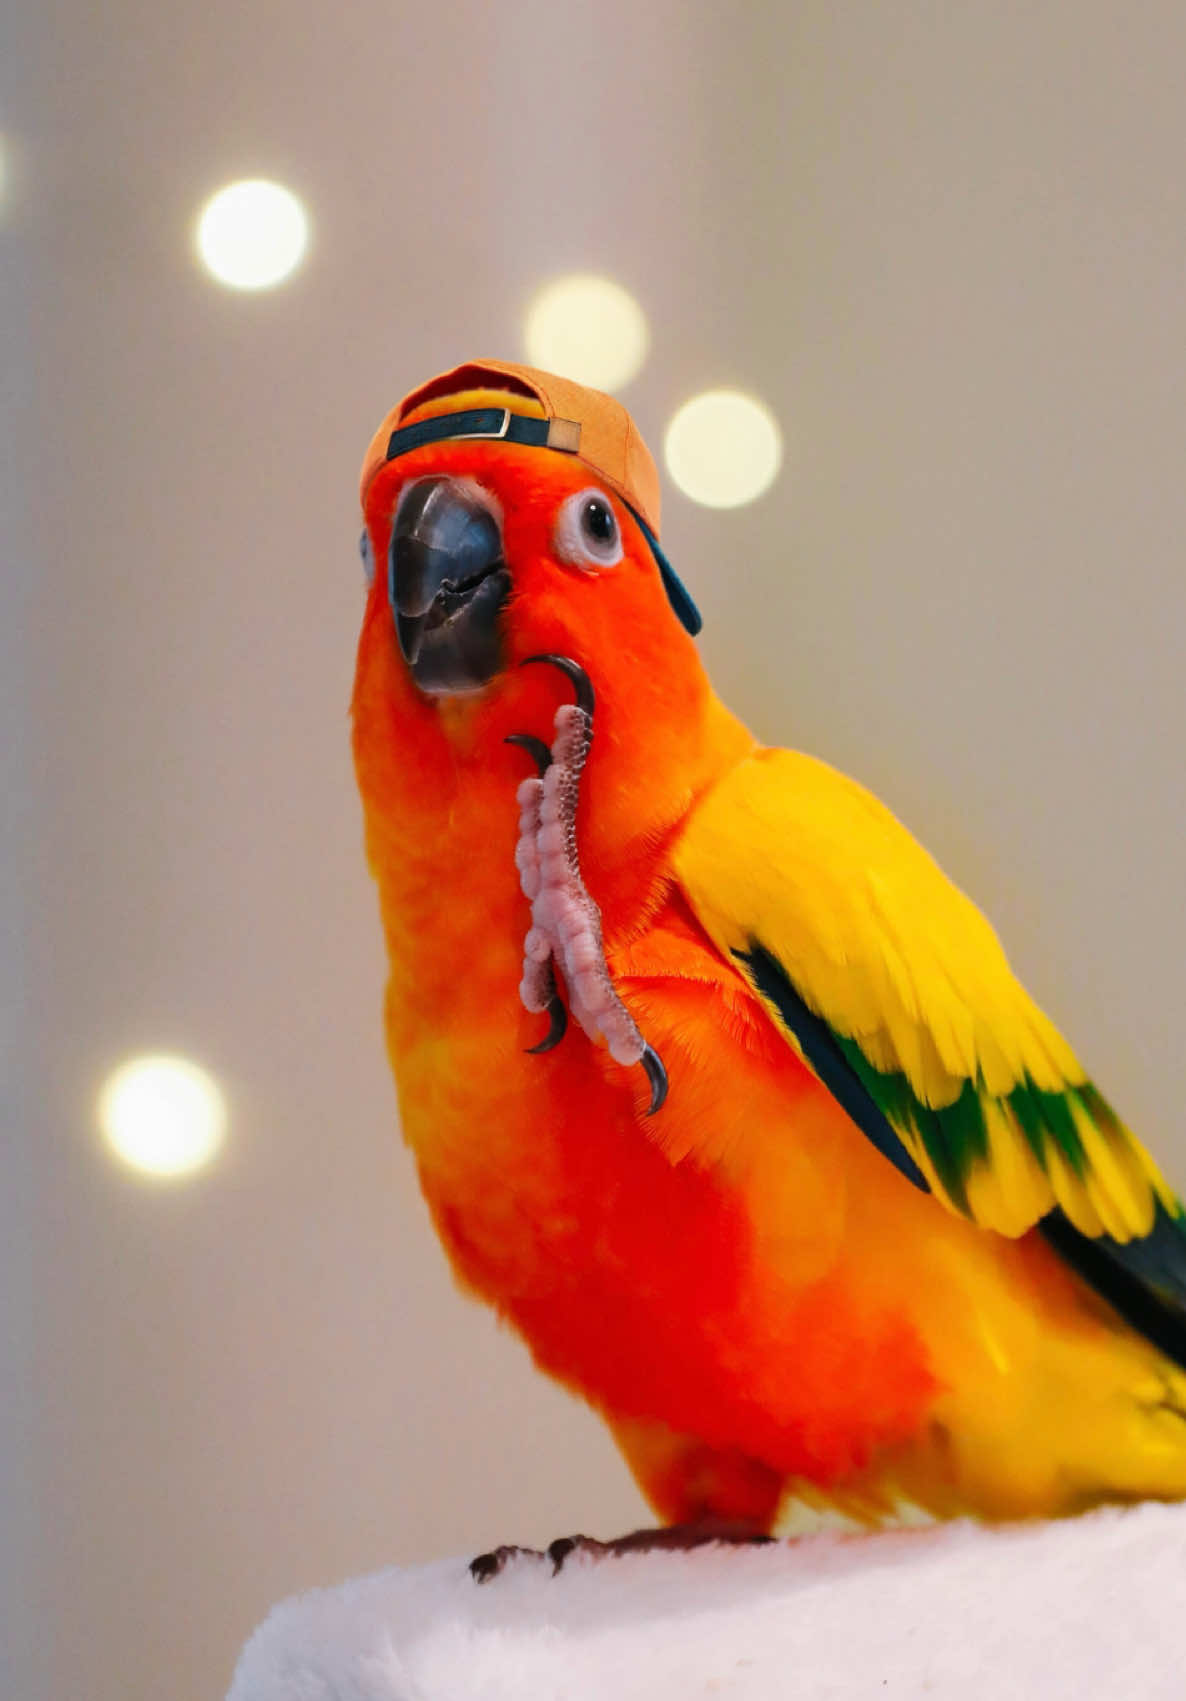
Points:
(448, 583)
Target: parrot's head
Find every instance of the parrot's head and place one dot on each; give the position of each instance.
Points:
(509, 512)
(511, 515)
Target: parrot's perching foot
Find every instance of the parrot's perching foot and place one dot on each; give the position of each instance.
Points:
(565, 932)
(672, 1537)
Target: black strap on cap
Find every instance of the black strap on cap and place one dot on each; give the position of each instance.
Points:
(564, 435)
(498, 423)
(678, 594)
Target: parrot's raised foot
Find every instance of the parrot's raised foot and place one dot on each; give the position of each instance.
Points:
(671, 1538)
(565, 934)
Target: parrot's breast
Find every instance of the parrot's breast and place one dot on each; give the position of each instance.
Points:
(684, 1268)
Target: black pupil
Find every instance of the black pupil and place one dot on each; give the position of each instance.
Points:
(599, 520)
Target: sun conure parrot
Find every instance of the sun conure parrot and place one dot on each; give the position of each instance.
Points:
(721, 1093)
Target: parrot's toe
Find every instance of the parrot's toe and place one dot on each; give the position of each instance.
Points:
(488, 1565)
(559, 1550)
(669, 1537)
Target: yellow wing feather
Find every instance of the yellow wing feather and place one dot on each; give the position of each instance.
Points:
(789, 855)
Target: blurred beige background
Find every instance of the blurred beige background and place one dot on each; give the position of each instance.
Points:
(947, 244)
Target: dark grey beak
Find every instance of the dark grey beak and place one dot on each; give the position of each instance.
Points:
(447, 583)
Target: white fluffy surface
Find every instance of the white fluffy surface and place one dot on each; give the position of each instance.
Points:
(1092, 1607)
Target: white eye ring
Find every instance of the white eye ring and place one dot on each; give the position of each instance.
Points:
(368, 557)
(587, 530)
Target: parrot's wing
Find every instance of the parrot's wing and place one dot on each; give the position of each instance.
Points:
(895, 991)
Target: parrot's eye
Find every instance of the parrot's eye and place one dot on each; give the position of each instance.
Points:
(368, 557)
(587, 532)
(597, 519)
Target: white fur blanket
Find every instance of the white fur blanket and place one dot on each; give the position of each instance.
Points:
(1089, 1608)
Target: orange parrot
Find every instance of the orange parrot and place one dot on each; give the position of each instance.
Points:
(720, 1092)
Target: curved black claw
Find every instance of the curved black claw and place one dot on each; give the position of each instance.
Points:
(535, 748)
(558, 1017)
(488, 1565)
(582, 684)
(657, 1076)
(559, 1550)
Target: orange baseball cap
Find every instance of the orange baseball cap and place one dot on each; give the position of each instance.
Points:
(582, 422)
(536, 408)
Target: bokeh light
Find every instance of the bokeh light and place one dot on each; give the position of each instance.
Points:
(252, 234)
(589, 329)
(723, 448)
(162, 1115)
